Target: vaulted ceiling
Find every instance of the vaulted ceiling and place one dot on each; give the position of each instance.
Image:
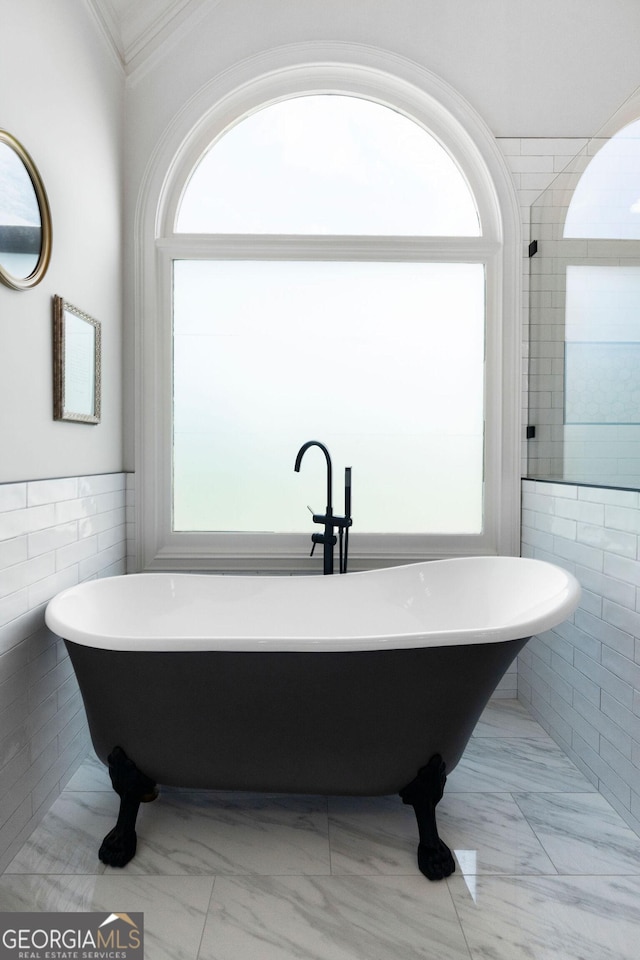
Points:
(512, 69)
(137, 28)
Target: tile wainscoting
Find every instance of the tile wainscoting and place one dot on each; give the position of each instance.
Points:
(53, 534)
(582, 680)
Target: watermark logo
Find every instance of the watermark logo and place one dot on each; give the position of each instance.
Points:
(71, 936)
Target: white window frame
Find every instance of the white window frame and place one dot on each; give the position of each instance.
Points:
(428, 101)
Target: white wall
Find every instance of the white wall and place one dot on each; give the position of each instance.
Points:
(61, 95)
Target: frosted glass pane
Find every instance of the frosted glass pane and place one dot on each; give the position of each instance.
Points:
(602, 303)
(606, 201)
(382, 362)
(602, 383)
(328, 165)
(602, 348)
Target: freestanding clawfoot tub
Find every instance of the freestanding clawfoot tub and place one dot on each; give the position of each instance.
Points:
(370, 683)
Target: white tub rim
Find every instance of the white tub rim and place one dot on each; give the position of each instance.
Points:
(547, 595)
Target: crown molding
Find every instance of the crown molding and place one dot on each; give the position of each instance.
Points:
(139, 31)
(145, 22)
(177, 23)
(103, 15)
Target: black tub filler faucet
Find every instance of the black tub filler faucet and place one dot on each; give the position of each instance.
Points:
(329, 520)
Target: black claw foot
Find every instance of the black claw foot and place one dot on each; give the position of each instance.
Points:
(133, 788)
(435, 863)
(435, 860)
(118, 847)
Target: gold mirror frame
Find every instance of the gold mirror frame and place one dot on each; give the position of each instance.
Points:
(77, 364)
(36, 275)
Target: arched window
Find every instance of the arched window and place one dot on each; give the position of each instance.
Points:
(328, 165)
(606, 201)
(332, 271)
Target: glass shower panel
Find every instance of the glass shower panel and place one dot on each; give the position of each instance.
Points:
(584, 320)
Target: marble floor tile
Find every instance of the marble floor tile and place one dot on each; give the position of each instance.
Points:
(508, 718)
(184, 833)
(549, 918)
(488, 833)
(582, 833)
(174, 908)
(47, 893)
(90, 775)
(372, 835)
(216, 833)
(67, 840)
(546, 869)
(332, 918)
(512, 764)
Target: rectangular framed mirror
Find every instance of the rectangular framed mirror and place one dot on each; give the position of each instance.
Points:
(76, 364)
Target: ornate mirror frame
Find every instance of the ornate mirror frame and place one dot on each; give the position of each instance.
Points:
(77, 364)
(36, 275)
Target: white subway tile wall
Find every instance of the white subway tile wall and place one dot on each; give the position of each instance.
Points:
(130, 516)
(581, 680)
(53, 534)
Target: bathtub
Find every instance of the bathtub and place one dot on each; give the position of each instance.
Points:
(369, 683)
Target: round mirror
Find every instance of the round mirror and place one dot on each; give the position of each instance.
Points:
(25, 219)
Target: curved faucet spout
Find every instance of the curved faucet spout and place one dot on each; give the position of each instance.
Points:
(301, 452)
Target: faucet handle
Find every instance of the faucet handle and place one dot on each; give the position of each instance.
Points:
(317, 538)
(347, 491)
(310, 509)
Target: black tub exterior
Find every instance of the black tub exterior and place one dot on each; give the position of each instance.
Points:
(326, 723)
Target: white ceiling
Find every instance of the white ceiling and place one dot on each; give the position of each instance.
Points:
(138, 27)
(539, 69)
